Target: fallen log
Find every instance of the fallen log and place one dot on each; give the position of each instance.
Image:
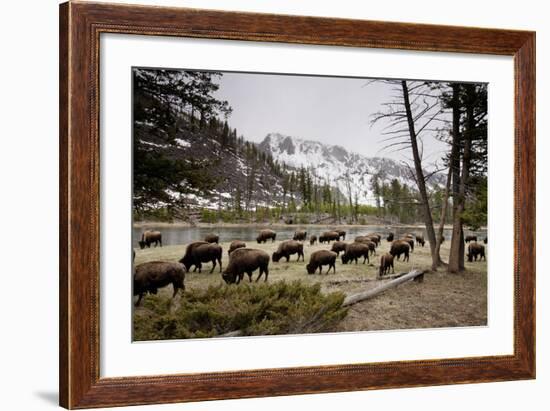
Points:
(416, 275)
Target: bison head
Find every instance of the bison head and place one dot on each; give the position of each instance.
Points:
(141, 244)
(229, 278)
(310, 268)
(345, 259)
(276, 256)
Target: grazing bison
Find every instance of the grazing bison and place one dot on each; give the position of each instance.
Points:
(312, 239)
(341, 234)
(234, 245)
(149, 277)
(320, 258)
(354, 251)
(374, 238)
(300, 235)
(212, 238)
(390, 237)
(410, 241)
(485, 240)
(266, 235)
(202, 252)
(150, 237)
(287, 248)
(246, 260)
(386, 261)
(366, 240)
(329, 236)
(470, 238)
(378, 236)
(420, 240)
(399, 247)
(338, 246)
(475, 250)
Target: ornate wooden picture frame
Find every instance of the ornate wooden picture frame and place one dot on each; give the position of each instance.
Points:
(81, 25)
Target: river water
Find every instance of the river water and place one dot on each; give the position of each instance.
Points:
(175, 235)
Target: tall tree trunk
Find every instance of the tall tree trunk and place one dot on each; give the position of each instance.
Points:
(428, 221)
(443, 215)
(456, 258)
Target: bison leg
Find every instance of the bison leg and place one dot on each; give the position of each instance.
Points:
(320, 269)
(139, 299)
(288, 258)
(249, 276)
(333, 265)
(220, 262)
(213, 266)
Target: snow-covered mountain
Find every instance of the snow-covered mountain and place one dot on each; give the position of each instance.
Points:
(339, 167)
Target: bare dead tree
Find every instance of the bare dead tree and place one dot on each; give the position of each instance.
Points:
(414, 109)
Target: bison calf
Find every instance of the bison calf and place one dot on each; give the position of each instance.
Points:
(386, 262)
(312, 239)
(287, 248)
(246, 260)
(149, 277)
(420, 240)
(390, 237)
(320, 258)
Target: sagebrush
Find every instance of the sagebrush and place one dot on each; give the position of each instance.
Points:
(252, 309)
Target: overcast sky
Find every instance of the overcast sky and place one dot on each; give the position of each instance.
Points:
(331, 110)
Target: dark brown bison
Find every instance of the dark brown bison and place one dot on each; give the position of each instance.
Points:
(133, 255)
(234, 245)
(202, 252)
(320, 258)
(329, 236)
(420, 240)
(475, 250)
(312, 239)
(389, 237)
(354, 251)
(399, 247)
(287, 248)
(485, 240)
(378, 236)
(374, 238)
(265, 235)
(366, 240)
(410, 241)
(300, 235)
(341, 234)
(212, 238)
(149, 277)
(386, 262)
(470, 238)
(246, 260)
(150, 237)
(338, 246)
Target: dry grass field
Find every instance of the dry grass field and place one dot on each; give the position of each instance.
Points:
(442, 300)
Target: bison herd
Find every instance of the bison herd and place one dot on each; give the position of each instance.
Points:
(150, 276)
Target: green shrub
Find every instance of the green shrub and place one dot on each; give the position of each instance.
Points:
(264, 309)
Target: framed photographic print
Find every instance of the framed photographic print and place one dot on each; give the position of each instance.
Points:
(259, 205)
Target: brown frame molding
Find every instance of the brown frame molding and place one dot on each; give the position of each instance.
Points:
(80, 27)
